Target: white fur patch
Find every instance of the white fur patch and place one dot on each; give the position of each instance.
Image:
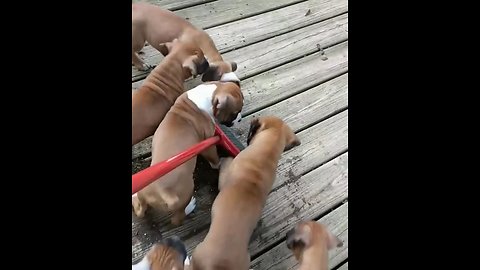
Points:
(202, 97)
(187, 261)
(229, 77)
(134, 195)
(142, 265)
(238, 119)
(191, 206)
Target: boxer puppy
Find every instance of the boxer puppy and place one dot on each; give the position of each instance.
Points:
(190, 121)
(238, 206)
(168, 254)
(310, 242)
(157, 26)
(163, 85)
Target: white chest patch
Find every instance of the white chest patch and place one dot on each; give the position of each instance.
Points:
(229, 77)
(202, 97)
(142, 265)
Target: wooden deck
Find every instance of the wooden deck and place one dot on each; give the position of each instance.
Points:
(293, 62)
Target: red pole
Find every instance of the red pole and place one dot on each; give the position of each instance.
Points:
(145, 177)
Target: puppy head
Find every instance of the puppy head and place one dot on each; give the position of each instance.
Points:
(262, 123)
(168, 254)
(308, 234)
(217, 69)
(191, 56)
(227, 102)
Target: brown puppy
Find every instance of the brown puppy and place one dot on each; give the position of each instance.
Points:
(239, 204)
(157, 26)
(310, 242)
(190, 120)
(163, 85)
(169, 254)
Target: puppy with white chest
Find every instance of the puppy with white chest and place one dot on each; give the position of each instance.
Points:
(190, 121)
(157, 26)
(310, 242)
(163, 85)
(245, 183)
(168, 254)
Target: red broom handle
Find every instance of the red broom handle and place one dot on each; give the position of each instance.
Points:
(150, 174)
(226, 143)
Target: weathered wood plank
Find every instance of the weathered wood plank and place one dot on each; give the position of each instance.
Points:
(292, 164)
(344, 266)
(224, 11)
(281, 49)
(254, 29)
(174, 4)
(307, 197)
(277, 84)
(300, 110)
(281, 258)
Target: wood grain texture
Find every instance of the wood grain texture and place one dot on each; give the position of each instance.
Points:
(293, 165)
(281, 258)
(277, 84)
(174, 4)
(224, 11)
(300, 110)
(244, 32)
(344, 266)
(305, 198)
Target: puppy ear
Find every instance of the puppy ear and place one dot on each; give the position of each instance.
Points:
(220, 102)
(333, 241)
(190, 65)
(165, 48)
(254, 127)
(233, 65)
(212, 74)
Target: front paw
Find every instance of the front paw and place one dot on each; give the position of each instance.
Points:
(191, 206)
(144, 67)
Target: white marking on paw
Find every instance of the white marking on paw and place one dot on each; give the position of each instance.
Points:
(191, 206)
(229, 77)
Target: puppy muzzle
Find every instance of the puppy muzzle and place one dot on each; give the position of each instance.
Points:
(290, 239)
(203, 67)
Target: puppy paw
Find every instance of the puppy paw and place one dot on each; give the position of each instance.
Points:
(191, 206)
(144, 67)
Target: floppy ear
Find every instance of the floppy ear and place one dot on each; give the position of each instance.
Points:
(254, 127)
(165, 48)
(212, 74)
(233, 65)
(333, 241)
(220, 102)
(190, 65)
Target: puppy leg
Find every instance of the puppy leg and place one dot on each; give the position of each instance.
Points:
(210, 154)
(224, 166)
(139, 205)
(138, 63)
